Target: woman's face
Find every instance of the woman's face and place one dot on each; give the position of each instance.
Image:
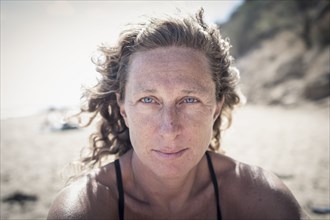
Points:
(169, 108)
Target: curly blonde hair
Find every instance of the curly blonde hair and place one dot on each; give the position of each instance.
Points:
(112, 137)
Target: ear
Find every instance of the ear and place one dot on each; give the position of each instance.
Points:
(122, 108)
(218, 108)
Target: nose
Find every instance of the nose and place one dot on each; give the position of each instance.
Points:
(169, 123)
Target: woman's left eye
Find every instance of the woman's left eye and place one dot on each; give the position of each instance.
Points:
(190, 100)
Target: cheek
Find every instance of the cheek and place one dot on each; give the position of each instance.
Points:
(202, 130)
(198, 128)
(201, 119)
(141, 128)
(139, 119)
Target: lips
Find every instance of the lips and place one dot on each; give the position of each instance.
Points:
(170, 154)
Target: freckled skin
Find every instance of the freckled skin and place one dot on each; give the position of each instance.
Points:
(170, 124)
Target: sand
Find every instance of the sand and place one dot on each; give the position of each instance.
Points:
(292, 143)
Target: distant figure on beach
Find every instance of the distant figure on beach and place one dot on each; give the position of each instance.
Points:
(166, 94)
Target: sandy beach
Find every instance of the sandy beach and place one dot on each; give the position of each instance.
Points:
(293, 143)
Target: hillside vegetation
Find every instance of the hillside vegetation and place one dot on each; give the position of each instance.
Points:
(282, 49)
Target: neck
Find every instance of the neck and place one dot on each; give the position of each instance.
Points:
(168, 193)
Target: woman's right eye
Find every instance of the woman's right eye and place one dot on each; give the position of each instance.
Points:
(147, 100)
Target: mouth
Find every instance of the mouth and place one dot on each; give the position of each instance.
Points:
(170, 154)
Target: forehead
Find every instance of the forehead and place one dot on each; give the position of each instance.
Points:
(169, 65)
(169, 56)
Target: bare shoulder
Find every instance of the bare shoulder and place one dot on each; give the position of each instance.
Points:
(86, 198)
(70, 202)
(257, 193)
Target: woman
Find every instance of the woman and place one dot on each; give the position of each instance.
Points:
(166, 90)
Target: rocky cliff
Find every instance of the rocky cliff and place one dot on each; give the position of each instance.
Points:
(282, 49)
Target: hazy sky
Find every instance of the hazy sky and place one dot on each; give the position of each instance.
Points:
(46, 45)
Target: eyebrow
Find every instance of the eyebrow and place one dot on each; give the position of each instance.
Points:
(143, 90)
(195, 90)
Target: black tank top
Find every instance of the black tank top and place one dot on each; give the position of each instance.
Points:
(121, 199)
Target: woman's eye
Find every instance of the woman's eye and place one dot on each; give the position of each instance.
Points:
(147, 100)
(190, 100)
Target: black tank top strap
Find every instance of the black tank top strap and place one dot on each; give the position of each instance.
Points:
(120, 187)
(121, 201)
(215, 184)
